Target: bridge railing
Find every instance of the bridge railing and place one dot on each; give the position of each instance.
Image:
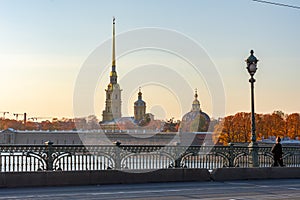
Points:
(19, 158)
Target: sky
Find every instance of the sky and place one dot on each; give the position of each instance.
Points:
(44, 45)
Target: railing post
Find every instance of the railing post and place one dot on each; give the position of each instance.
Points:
(49, 159)
(0, 162)
(177, 162)
(178, 156)
(117, 156)
(231, 155)
(253, 154)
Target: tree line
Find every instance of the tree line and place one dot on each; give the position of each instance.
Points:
(237, 128)
(232, 128)
(83, 123)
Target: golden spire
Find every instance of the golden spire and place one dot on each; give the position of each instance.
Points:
(113, 73)
(113, 46)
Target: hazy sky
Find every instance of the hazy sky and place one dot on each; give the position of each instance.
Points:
(44, 43)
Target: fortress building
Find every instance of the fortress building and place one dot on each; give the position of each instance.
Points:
(193, 121)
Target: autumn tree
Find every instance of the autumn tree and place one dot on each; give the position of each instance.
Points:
(242, 126)
(293, 125)
(224, 131)
(278, 124)
(237, 128)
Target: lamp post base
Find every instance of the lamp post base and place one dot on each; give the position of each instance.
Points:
(253, 154)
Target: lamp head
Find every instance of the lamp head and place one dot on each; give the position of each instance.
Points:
(251, 63)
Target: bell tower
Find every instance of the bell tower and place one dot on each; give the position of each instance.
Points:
(113, 92)
(139, 107)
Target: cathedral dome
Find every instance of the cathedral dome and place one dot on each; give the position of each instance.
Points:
(195, 120)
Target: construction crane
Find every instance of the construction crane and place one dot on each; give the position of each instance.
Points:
(33, 118)
(37, 118)
(4, 114)
(17, 115)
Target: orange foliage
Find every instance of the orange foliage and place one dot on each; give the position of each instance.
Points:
(293, 124)
(63, 124)
(237, 128)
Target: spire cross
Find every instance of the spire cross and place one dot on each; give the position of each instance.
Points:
(196, 95)
(140, 94)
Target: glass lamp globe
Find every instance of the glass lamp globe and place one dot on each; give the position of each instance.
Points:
(252, 68)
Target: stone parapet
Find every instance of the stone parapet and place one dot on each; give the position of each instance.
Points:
(229, 174)
(68, 178)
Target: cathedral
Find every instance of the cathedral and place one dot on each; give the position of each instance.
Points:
(194, 121)
(113, 92)
(113, 103)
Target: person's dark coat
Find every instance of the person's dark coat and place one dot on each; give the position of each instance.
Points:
(277, 154)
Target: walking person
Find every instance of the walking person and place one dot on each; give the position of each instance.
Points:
(277, 153)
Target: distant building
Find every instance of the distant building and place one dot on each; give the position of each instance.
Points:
(112, 114)
(139, 107)
(194, 126)
(113, 92)
(96, 137)
(113, 102)
(11, 136)
(196, 120)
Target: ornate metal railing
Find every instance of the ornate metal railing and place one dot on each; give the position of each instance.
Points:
(14, 158)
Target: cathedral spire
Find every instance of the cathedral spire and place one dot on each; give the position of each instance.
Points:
(113, 73)
(140, 94)
(113, 102)
(113, 46)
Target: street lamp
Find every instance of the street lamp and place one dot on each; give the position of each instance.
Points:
(253, 146)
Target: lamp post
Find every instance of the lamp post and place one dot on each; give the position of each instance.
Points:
(253, 146)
